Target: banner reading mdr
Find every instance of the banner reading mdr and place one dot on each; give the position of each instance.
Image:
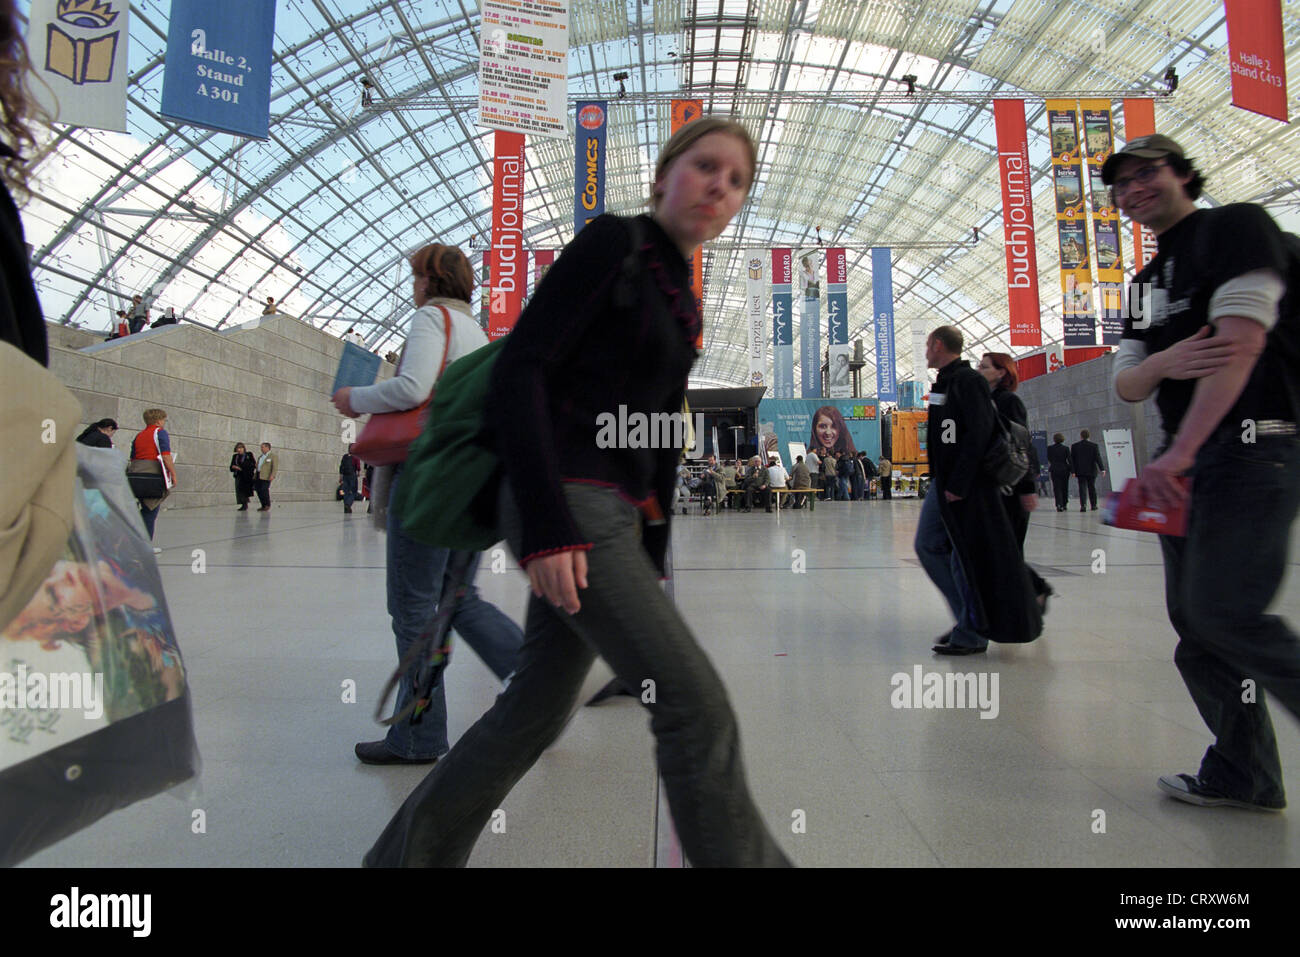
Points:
(218, 69)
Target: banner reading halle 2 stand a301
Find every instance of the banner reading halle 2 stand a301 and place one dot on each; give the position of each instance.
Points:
(1018, 222)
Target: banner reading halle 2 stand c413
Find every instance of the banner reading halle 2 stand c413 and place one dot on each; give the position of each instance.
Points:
(506, 257)
(1018, 222)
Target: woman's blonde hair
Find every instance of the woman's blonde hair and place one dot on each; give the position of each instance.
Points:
(686, 137)
(448, 272)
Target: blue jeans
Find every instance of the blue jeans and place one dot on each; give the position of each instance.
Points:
(1219, 581)
(628, 620)
(349, 491)
(942, 564)
(150, 516)
(415, 583)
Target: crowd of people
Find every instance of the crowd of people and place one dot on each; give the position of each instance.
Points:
(589, 525)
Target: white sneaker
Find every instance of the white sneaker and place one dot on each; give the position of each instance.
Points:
(157, 550)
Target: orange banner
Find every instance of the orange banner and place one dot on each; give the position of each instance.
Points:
(1140, 120)
(1071, 223)
(683, 112)
(1099, 142)
(508, 261)
(1258, 56)
(1014, 173)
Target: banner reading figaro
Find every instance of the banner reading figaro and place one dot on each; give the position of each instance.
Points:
(78, 52)
(782, 325)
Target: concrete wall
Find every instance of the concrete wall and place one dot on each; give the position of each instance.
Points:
(1081, 397)
(267, 380)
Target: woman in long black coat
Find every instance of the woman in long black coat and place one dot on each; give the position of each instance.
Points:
(243, 464)
(999, 370)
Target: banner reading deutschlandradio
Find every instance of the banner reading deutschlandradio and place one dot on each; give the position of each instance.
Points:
(1140, 120)
(882, 305)
(839, 380)
(1099, 138)
(523, 75)
(756, 314)
(79, 61)
(218, 69)
(1071, 223)
(810, 334)
(589, 162)
(782, 325)
(1018, 222)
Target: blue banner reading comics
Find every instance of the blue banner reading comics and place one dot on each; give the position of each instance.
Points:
(589, 162)
(882, 302)
(218, 68)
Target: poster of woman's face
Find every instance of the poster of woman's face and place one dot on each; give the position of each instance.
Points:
(830, 432)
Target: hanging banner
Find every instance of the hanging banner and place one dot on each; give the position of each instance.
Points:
(1257, 53)
(683, 111)
(523, 73)
(839, 381)
(79, 61)
(507, 258)
(589, 163)
(1071, 223)
(756, 311)
(882, 306)
(1140, 120)
(218, 66)
(542, 259)
(1018, 222)
(782, 325)
(810, 338)
(1099, 140)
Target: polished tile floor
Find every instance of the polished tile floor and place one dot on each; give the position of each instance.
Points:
(809, 618)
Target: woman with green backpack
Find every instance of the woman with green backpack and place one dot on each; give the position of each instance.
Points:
(588, 520)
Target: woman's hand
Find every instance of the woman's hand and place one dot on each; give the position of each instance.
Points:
(554, 578)
(342, 400)
(1029, 502)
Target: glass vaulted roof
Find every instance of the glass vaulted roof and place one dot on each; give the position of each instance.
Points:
(322, 214)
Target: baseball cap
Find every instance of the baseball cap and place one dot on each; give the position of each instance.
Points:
(1144, 147)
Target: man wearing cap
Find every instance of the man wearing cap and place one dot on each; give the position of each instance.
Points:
(1205, 335)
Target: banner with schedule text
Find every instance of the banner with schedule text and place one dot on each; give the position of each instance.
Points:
(683, 111)
(1257, 54)
(217, 72)
(507, 259)
(882, 306)
(1140, 120)
(1099, 141)
(756, 315)
(1071, 223)
(589, 162)
(839, 381)
(1014, 173)
(782, 325)
(80, 63)
(523, 73)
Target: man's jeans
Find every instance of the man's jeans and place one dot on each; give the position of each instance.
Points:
(349, 491)
(941, 563)
(1219, 581)
(416, 578)
(628, 620)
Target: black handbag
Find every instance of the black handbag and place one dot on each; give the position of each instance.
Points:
(1007, 459)
(146, 485)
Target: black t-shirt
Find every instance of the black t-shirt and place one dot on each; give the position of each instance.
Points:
(1198, 255)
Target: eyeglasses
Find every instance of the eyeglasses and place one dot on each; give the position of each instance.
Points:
(1142, 177)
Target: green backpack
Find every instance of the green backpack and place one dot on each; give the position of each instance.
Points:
(452, 476)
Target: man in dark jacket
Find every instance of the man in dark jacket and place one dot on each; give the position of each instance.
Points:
(964, 540)
(1086, 457)
(99, 434)
(348, 468)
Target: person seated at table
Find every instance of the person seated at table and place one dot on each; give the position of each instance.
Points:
(757, 480)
